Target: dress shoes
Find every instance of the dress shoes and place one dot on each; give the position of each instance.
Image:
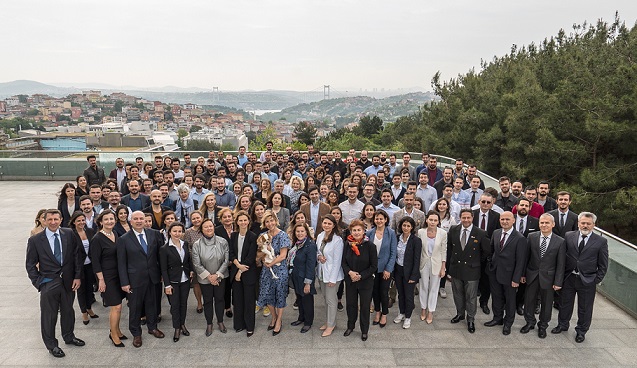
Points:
(557, 330)
(493, 322)
(296, 323)
(579, 338)
(222, 328)
(485, 309)
(86, 322)
(364, 337)
(520, 310)
(176, 335)
(120, 345)
(348, 332)
(527, 327)
(75, 341)
(184, 330)
(158, 334)
(471, 327)
(270, 327)
(209, 330)
(158, 319)
(137, 341)
(506, 330)
(229, 313)
(239, 329)
(57, 352)
(457, 318)
(541, 333)
(537, 308)
(305, 329)
(249, 333)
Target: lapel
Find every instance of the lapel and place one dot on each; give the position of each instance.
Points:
(138, 243)
(65, 240)
(244, 251)
(552, 244)
(472, 239)
(589, 244)
(47, 247)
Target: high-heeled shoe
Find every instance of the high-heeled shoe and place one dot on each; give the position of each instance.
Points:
(93, 315)
(222, 328)
(120, 345)
(123, 337)
(328, 331)
(382, 324)
(176, 335)
(208, 330)
(199, 310)
(184, 330)
(274, 332)
(86, 322)
(270, 327)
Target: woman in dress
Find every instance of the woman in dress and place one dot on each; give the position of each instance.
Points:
(273, 292)
(276, 204)
(190, 237)
(85, 296)
(384, 238)
(39, 222)
(367, 216)
(175, 265)
(330, 271)
(302, 262)
(210, 256)
(360, 261)
(81, 188)
(104, 259)
(297, 186)
(406, 270)
(68, 203)
(432, 268)
(122, 225)
(243, 272)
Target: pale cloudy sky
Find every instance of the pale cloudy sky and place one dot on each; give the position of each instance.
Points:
(271, 44)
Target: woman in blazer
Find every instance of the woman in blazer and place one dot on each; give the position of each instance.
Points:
(406, 274)
(210, 256)
(85, 296)
(385, 240)
(330, 271)
(302, 263)
(243, 272)
(360, 261)
(68, 203)
(174, 261)
(432, 264)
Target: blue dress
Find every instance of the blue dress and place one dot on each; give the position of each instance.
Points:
(275, 291)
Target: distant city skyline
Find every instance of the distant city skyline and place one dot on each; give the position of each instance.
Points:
(276, 44)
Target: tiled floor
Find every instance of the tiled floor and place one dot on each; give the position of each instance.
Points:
(609, 343)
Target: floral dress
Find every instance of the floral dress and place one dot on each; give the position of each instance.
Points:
(274, 291)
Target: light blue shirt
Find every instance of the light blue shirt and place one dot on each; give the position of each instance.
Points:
(428, 195)
(390, 210)
(51, 238)
(314, 214)
(198, 196)
(372, 170)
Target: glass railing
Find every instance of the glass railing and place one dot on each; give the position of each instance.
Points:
(619, 285)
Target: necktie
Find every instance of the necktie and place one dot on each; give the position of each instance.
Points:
(521, 229)
(473, 198)
(543, 246)
(57, 248)
(504, 236)
(483, 222)
(463, 239)
(562, 219)
(143, 243)
(582, 243)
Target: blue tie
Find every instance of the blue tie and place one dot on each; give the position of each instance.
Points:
(57, 248)
(143, 243)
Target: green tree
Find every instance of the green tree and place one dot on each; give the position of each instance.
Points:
(195, 128)
(368, 126)
(305, 132)
(201, 145)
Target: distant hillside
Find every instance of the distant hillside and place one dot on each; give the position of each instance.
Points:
(27, 87)
(348, 109)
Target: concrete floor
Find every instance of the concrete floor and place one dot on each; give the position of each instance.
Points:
(609, 343)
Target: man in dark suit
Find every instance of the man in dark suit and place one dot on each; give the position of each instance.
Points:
(525, 225)
(54, 265)
(488, 220)
(156, 209)
(546, 259)
(467, 249)
(565, 219)
(586, 266)
(134, 199)
(139, 274)
(314, 210)
(505, 268)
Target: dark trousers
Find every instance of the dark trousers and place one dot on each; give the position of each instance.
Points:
(405, 292)
(358, 290)
(306, 308)
(212, 293)
(484, 286)
(142, 297)
(341, 289)
(380, 294)
(530, 301)
(158, 293)
(502, 299)
(227, 296)
(85, 295)
(243, 303)
(520, 295)
(179, 303)
(54, 297)
(585, 298)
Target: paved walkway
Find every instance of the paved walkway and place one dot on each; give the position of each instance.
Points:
(609, 343)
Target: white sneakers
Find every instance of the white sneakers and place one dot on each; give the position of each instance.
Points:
(443, 293)
(407, 323)
(399, 318)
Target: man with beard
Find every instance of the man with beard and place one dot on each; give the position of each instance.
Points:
(408, 210)
(505, 199)
(433, 172)
(198, 191)
(364, 162)
(159, 166)
(166, 201)
(211, 170)
(459, 171)
(536, 209)
(95, 192)
(374, 167)
(565, 219)
(156, 209)
(472, 172)
(135, 200)
(447, 178)
(516, 188)
(119, 172)
(86, 206)
(169, 178)
(223, 197)
(93, 173)
(548, 203)
(488, 220)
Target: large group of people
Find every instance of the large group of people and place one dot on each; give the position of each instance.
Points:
(246, 231)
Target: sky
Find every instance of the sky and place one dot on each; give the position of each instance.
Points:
(275, 44)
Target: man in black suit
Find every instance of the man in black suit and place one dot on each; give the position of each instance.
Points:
(505, 268)
(525, 225)
(139, 274)
(156, 209)
(135, 200)
(546, 259)
(467, 249)
(586, 266)
(54, 265)
(488, 220)
(565, 219)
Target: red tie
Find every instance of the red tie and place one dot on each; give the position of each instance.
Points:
(504, 236)
(482, 223)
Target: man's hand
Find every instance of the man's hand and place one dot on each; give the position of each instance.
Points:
(76, 284)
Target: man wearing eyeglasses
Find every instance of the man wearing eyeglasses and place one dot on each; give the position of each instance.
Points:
(488, 220)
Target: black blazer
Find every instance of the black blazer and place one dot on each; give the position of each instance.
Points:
(137, 268)
(592, 263)
(89, 235)
(66, 216)
(149, 209)
(493, 221)
(549, 268)
(39, 252)
(365, 264)
(411, 262)
(172, 267)
(531, 224)
(570, 223)
(509, 263)
(144, 197)
(465, 264)
(248, 257)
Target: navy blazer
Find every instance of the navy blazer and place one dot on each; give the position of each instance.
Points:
(592, 262)
(137, 268)
(304, 268)
(39, 253)
(387, 255)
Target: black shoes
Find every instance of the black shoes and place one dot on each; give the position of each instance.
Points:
(541, 333)
(520, 310)
(471, 327)
(57, 352)
(364, 337)
(579, 338)
(305, 329)
(237, 330)
(249, 333)
(527, 327)
(493, 322)
(76, 342)
(120, 345)
(485, 309)
(176, 335)
(229, 313)
(506, 330)
(340, 307)
(222, 327)
(184, 330)
(348, 332)
(558, 329)
(457, 318)
(209, 330)
(270, 327)
(296, 323)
